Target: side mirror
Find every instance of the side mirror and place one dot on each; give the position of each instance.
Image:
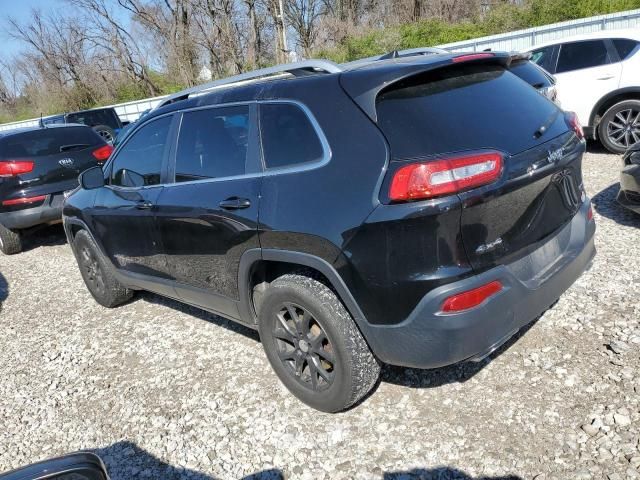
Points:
(76, 466)
(92, 178)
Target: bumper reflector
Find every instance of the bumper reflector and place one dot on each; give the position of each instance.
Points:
(471, 298)
(21, 201)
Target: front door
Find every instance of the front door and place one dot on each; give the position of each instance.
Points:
(208, 217)
(124, 211)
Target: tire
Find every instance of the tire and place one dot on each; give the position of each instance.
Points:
(106, 132)
(335, 367)
(621, 119)
(10, 241)
(97, 274)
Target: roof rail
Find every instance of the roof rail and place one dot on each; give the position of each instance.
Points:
(297, 68)
(410, 52)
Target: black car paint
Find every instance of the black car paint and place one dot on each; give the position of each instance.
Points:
(51, 175)
(382, 259)
(629, 194)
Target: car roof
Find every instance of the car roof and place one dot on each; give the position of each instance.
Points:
(252, 89)
(16, 131)
(630, 33)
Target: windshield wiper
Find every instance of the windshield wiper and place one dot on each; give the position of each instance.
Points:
(545, 126)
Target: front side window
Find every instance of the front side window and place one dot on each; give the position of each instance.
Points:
(544, 58)
(213, 143)
(139, 162)
(288, 137)
(579, 55)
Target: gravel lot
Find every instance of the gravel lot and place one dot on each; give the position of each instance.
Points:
(161, 390)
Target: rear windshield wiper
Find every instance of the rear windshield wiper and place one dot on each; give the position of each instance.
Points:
(74, 146)
(545, 126)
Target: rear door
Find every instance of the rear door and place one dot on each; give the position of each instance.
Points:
(208, 215)
(586, 71)
(124, 210)
(59, 155)
(479, 108)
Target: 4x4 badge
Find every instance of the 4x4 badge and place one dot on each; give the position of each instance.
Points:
(66, 162)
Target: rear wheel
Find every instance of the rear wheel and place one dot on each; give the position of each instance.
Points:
(314, 345)
(96, 274)
(10, 241)
(619, 127)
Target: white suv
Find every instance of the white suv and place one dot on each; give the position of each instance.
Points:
(598, 77)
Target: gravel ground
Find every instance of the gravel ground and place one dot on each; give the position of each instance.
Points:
(161, 390)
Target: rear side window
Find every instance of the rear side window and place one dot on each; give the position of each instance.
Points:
(531, 74)
(544, 58)
(468, 107)
(52, 141)
(624, 47)
(138, 162)
(288, 136)
(578, 55)
(213, 143)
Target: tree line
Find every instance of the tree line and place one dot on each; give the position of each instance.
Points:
(85, 53)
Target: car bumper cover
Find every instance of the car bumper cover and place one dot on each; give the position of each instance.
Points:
(429, 338)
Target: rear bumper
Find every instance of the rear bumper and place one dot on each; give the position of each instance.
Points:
(430, 338)
(48, 212)
(629, 194)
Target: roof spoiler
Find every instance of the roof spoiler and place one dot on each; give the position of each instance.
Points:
(365, 84)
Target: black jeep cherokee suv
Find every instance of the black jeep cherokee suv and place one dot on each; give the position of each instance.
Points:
(414, 211)
(37, 165)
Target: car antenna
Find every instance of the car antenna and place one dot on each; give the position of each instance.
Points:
(41, 123)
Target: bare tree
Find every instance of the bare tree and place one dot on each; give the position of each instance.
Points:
(304, 16)
(106, 33)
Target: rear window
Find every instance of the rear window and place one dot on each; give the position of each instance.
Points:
(465, 108)
(624, 47)
(531, 74)
(48, 141)
(95, 117)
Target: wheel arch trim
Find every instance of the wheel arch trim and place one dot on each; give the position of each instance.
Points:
(253, 256)
(606, 98)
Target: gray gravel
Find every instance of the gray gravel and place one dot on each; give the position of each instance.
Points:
(161, 390)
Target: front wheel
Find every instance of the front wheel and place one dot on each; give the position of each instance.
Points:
(96, 274)
(619, 127)
(314, 345)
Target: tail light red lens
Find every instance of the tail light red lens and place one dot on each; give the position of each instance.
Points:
(471, 298)
(574, 124)
(590, 213)
(22, 201)
(418, 181)
(102, 153)
(12, 168)
(471, 56)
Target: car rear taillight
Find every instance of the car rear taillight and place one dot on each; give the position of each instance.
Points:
(24, 200)
(471, 298)
(574, 124)
(590, 213)
(419, 181)
(102, 153)
(12, 168)
(471, 56)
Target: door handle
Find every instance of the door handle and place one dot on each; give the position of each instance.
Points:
(235, 203)
(144, 205)
(606, 77)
